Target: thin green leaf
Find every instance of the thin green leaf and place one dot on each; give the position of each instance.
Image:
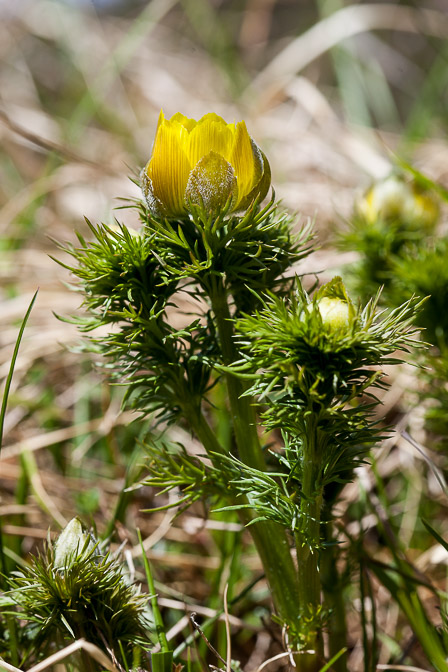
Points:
(11, 368)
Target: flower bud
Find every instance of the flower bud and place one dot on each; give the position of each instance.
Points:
(395, 199)
(335, 313)
(206, 162)
(70, 543)
(335, 307)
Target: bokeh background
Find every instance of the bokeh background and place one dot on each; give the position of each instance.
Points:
(332, 91)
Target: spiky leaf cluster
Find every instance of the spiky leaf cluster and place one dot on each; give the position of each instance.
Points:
(423, 271)
(251, 250)
(90, 597)
(379, 244)
(131, 280)
(163, 373)
(392, 214)
(127, 291)
(120, 275)
(268, 494)
(318, 380)
(408, 258)
(171, 468)
(419, 268)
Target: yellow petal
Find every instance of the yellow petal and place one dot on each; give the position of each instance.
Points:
(211, 134)
(169, 168)
(212, 116)
(246, 161)
(160, 120)
(187, 123)
(425, 209)
(211, 183)
(366, 207)
(261, 187)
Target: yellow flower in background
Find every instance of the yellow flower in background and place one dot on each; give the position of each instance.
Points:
(395, 199)
(205, 162)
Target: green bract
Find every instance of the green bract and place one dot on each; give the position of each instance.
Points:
(71, 542)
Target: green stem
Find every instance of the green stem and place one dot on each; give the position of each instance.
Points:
(270, 538)
(334, 600)
(241, 408)
(308, 543)
(158, 620)
(202, 429)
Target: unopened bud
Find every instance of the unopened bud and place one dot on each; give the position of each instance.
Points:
(70, 543)
(335, 313)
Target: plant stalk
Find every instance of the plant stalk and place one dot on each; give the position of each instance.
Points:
(334, 600)
(270, 538)
(308, 543)
(158, 620)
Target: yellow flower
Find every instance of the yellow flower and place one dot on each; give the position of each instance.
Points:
(205, 162)
(395, 199)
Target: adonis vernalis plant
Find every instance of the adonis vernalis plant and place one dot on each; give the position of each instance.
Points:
(77, 590)
(303, 364)
(390, 216)
(396, 229)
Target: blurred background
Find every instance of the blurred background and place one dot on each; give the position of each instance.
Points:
(333, 91)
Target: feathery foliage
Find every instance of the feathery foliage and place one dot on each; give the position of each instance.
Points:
(312, 373)
(86, 595)
(252, 250)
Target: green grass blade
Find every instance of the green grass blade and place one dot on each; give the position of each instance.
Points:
(435, 534)
(11, 368)
(160, 628)
(331, 662)
(11, 623)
